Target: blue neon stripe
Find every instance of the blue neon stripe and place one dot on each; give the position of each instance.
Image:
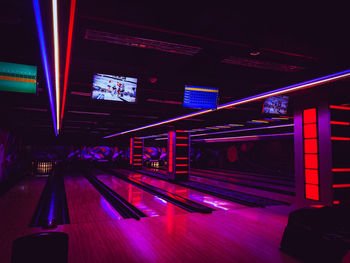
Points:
(44, 58)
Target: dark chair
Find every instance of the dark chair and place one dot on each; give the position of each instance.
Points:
(318, 234)
(41, 247)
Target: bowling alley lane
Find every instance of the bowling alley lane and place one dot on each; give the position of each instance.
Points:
(19, 203)
(150, 204)
(85, 203)
(205, 199)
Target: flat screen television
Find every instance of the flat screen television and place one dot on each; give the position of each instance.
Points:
(276, 105)
(200, 97)
(18, 77)
(114, 88)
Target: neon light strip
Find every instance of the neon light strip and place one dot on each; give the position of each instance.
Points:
(251, 129)
(131, 152)
(336, 202)
(181, 165)
(69, 48)
(341, 170)
(137, 155)
(182, 144)
(171, 151)
(251, 137)
(185, 138)
(181, 172)
(295, 87)
(339, 107)
(341, 185)
(340, 139)
(181, 158)
(137, 159)
(44, 58)
(137, 146)
(340, 123)
(57, 64)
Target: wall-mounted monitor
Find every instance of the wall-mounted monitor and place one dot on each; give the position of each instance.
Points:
(115, 88)
(200, 97)
(18, 77)
(276, 105)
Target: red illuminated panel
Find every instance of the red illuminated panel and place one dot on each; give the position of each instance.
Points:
(181, 158)
(131, 146)
(336, 202)
(181, 164)
(310, 131)
(340, 123)
(339, 107)
(171, 151)
(311, 176)
(341, 185)
(181, 172)
(340, 139)
(311, 161)
(341, 170)
(182, 144)
(310, 145)
(311, 191)
(310, 116)
(185, 138)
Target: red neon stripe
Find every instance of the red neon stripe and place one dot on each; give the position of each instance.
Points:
(137, 146)
(181, 172)
(340, 139)
(336, 202)
(171, 154)
(310, 116)
(137, 159)
(310, 131)
(181, 158)
(69, 48)
(138, 142)
(131, 146)
(341, 170)
(181, 165)
(341, 185)
(340, 123)
(182, 144)
(339, 107)
(180, 131)
(181, 137)
(137, 155)
(311, 191)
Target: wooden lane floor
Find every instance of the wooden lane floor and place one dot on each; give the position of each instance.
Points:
(239, 188)
(17, 206)
(146, 202)
(238, 235)
(85, 203)
(205, 199)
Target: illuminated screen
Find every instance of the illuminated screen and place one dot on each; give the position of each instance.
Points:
(115, 88)
(17, 77)
(276, 105)
(200, 97)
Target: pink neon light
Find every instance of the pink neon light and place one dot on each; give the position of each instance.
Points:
(341, 170)
(341, 185)
(182, 144)
(339, 107)
(182, 138)
(171, 154)
(181, 172)
(181, 158)
(340, 139)
(340, 123)
(181, 165)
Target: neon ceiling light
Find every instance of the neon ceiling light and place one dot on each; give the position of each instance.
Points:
(243, 138)
(57, 64)
(243, 130)
(44, 58)
(291, 88)
(69, 48)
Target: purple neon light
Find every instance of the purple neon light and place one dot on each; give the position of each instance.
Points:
(243, 138)
(299, 86)
(44, 58)
(242, 130)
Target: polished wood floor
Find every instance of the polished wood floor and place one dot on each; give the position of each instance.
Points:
(240, 234)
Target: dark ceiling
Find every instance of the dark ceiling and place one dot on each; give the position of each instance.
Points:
(296, 43)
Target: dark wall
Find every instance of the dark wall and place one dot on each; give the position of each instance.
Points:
(274, 157)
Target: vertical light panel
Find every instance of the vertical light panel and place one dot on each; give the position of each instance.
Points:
(311, 156)
(131, 147)
(171, 136)
(69, 48)
(44, 58)
(57, 64)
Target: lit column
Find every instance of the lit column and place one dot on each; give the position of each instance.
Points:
(178, 155)
(136, 153)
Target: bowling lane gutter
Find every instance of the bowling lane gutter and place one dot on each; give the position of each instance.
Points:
(231, 195)
(52, 208)
(123, 207)
(184, 203)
